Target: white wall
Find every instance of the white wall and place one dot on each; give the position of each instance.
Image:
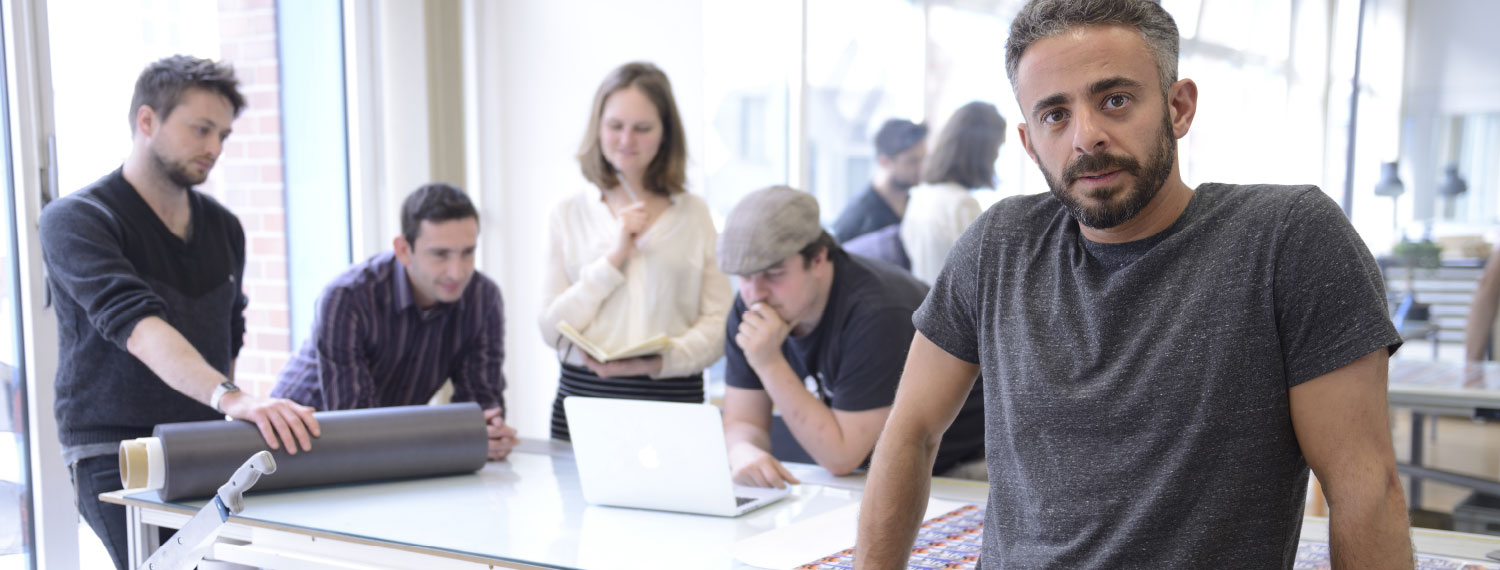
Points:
(539, 64)
(1451, 69)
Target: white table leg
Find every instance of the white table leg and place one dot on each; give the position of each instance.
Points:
(140, 537)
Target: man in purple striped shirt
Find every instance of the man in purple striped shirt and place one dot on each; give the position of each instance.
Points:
(390, 331)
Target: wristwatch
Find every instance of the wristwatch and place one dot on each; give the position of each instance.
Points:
(223, 388)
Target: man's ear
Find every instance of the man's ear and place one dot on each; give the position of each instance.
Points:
(403, 250)
(1026, 141)
(145, 120)
(1182, 103)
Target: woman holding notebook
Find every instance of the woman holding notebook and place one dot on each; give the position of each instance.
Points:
(635, 301)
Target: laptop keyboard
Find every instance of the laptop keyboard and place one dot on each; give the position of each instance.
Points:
(740, 501)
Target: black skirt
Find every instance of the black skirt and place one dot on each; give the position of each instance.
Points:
(576, 381)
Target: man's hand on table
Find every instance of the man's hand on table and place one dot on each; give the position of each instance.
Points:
(754, 467)
(502, 437)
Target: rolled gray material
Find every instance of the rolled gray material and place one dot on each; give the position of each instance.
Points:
(355, 445)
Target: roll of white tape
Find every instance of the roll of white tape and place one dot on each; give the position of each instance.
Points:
(142, 464)
(156, 468)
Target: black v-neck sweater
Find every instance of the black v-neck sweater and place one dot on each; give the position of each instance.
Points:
(111, 262)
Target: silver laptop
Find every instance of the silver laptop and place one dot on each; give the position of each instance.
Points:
(657, 455)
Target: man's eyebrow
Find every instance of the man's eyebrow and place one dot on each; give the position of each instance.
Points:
(1054, 99)
(1112, 83)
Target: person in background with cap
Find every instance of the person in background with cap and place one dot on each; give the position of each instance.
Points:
(822, 335)
(899, 152)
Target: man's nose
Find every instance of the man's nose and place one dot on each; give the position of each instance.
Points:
(1088, 134)
(752, 290)
(454, 269)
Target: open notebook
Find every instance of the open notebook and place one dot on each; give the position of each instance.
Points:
(654, 345)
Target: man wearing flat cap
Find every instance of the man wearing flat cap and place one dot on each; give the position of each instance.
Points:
(821, 335)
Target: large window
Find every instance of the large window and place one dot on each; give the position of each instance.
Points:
(966, 62)
(1274, 83)
(747, 94)
(16, 539)
(864, 65)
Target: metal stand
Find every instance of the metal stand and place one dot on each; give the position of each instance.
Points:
(194, 539)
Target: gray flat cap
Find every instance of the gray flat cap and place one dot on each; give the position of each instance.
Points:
(765, 227)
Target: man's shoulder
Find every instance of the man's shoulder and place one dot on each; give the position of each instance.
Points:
(1265, 203)
(98, 204)
(483, 286)
(872, 288)
(376, 271)
(865, 213)
(104, 193)
(1026, 217)
(1257, 194)
(859, 207)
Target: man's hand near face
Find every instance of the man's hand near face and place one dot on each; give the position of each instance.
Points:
(761, 333)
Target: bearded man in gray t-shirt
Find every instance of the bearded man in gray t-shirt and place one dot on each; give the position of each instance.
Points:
(1162, 364)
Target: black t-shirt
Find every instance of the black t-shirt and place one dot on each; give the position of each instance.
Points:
(853, 360)
(866, 213)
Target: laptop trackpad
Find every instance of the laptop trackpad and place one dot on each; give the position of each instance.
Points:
(755, 493)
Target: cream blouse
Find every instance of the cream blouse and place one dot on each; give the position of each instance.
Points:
(936, 214)
(671, 284)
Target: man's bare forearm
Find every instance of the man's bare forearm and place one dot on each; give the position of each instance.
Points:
(1371, 532)
(810, 420)
(738, 433)
(168, 354)
(894, 501)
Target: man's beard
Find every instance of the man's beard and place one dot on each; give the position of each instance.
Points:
(1148, 181)
(177, 172)
(901, 185)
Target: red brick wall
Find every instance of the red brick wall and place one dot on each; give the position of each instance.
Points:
(250, 184)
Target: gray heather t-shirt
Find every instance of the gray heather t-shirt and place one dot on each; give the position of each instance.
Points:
(1136, 409)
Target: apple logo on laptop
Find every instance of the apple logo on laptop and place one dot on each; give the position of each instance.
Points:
(649, 458)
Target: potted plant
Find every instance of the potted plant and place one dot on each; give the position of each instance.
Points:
(1412, 255)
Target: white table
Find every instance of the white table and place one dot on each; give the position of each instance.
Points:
(1470, 390)
(528, 512)
(525, 512)
(1446, 388)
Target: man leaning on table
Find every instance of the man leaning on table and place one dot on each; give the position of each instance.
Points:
(145, 275)
(1162, 364)
(390, 331)
(820, 334)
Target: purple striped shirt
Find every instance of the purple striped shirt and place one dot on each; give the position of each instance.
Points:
(372, 346)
